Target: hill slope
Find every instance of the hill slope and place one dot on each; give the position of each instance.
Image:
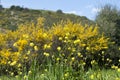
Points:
(15, 15)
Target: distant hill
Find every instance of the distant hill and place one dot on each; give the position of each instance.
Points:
(11, 17)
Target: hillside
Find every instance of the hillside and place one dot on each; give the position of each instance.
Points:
(15, 15)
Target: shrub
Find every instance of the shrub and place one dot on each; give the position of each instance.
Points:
(66, 42)
(108, 20)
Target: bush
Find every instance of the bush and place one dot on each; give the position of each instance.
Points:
(1, 7)
(13, 7)
(108, 20)
(59, 11)
(67, 42)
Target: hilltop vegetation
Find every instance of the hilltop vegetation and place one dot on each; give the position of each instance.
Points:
(11, 17)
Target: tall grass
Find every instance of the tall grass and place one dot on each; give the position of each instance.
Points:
(61, 71)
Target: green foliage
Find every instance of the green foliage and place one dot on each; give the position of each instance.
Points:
(107, 18)
(15, 15)
(16, 8)
(59, 11)
(109, 21)
(1, 7)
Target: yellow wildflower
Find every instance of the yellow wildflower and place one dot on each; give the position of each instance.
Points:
(35, 48)
(28, 52)
(46, 70)
(119, 48)
(31, 44)
(3, 61)
(58, 59)
(93, 62)
(83, 45)
(20, 73)
(45, 46)
(15, 44)
(12, 74)
(48, 46)
(60, 38)
(73, 49)
(73, 58)
(25, 77)
(114, 67)
(69, 48)
(29, 72)
(44, 35)
(103, 52)
(66, 37)
(59, 48)
(46, 54)
(117, 79)
(67, 34)
(66, 74)
(19, 65)
(87, 48)
(118, 69)
(77, 41)
(13, 63)
(25, 36)
(16, 76)
(92, 76)
(79, 54)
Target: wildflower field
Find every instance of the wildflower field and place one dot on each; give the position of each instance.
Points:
(65, 51)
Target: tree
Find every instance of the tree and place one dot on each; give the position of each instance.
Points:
(109, 21)
(1, 7)
(59, 11)
(13, 7)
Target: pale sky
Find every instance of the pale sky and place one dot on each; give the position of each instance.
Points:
(87, 8)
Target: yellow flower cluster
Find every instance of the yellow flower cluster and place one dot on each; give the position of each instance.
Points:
(20, 44)
(66, 39)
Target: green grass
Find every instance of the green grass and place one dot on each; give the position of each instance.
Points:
(60, 71)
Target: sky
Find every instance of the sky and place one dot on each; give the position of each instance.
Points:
(88, 8)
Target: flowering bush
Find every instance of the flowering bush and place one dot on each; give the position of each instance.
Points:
(66, 42)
